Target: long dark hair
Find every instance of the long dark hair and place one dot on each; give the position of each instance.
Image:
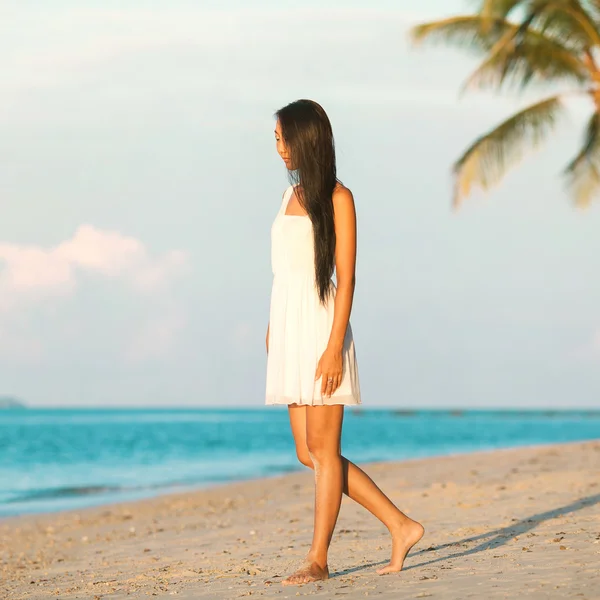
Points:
(308, 136)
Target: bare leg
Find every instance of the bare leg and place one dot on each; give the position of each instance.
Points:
(323, 432)
(360, 487)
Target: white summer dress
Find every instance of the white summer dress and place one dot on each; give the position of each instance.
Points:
(299, 325)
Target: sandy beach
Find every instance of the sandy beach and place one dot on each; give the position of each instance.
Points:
(517, 523)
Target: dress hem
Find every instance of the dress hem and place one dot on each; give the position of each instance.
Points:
(346, 401)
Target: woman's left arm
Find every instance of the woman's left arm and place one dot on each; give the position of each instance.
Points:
(330, 365)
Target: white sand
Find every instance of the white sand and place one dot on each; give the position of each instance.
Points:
(520, 523)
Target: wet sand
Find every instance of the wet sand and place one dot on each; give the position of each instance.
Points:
(518, 523)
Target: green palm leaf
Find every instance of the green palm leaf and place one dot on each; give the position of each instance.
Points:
(490, 9)
(468, 32)
(514, 56)
(546, 41)
(486, 161)
(528, 57)
(584, 170)
(565, 20)
(592, 8)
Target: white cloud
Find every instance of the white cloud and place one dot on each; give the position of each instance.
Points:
(31, 273)
(31, 269)
(106, 252)
(158, 273)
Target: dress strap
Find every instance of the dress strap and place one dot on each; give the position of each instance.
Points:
(286, 197)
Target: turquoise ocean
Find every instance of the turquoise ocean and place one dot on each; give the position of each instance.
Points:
(59, 459)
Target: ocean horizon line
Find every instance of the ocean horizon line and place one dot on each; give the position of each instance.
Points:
(357, 409)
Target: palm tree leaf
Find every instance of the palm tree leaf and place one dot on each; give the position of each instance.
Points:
(490, 9)
(529, 56)
(567, 21)
(464, 31)
(486, 161)
(583, 172)
(592, 8)
(513, 55)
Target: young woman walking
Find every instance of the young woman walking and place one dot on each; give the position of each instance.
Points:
(311, 362)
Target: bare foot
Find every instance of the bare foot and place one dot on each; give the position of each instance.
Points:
(311, 571)
(404, 537)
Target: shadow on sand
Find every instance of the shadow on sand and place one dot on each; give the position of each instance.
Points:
(491, 539)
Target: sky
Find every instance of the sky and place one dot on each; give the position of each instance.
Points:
(139, 180)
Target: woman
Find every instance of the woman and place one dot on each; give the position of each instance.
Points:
(311, 364)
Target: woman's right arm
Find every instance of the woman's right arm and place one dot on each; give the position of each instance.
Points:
(267, 340)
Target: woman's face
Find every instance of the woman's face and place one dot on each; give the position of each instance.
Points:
(282, 149)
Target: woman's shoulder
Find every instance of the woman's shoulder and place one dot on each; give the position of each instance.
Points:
(342, 195)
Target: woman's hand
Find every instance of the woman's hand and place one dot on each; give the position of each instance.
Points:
(330, 369)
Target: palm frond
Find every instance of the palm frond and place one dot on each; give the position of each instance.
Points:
(592, 8)
(514, 55)
(566, 21)
(486, 161)
(525, 42)
(463, 31)
(583, 172)
(528, 56)
(494, 9)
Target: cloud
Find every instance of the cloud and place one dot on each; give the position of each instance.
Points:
(30, 273)
(157, 274)
(31, 276)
